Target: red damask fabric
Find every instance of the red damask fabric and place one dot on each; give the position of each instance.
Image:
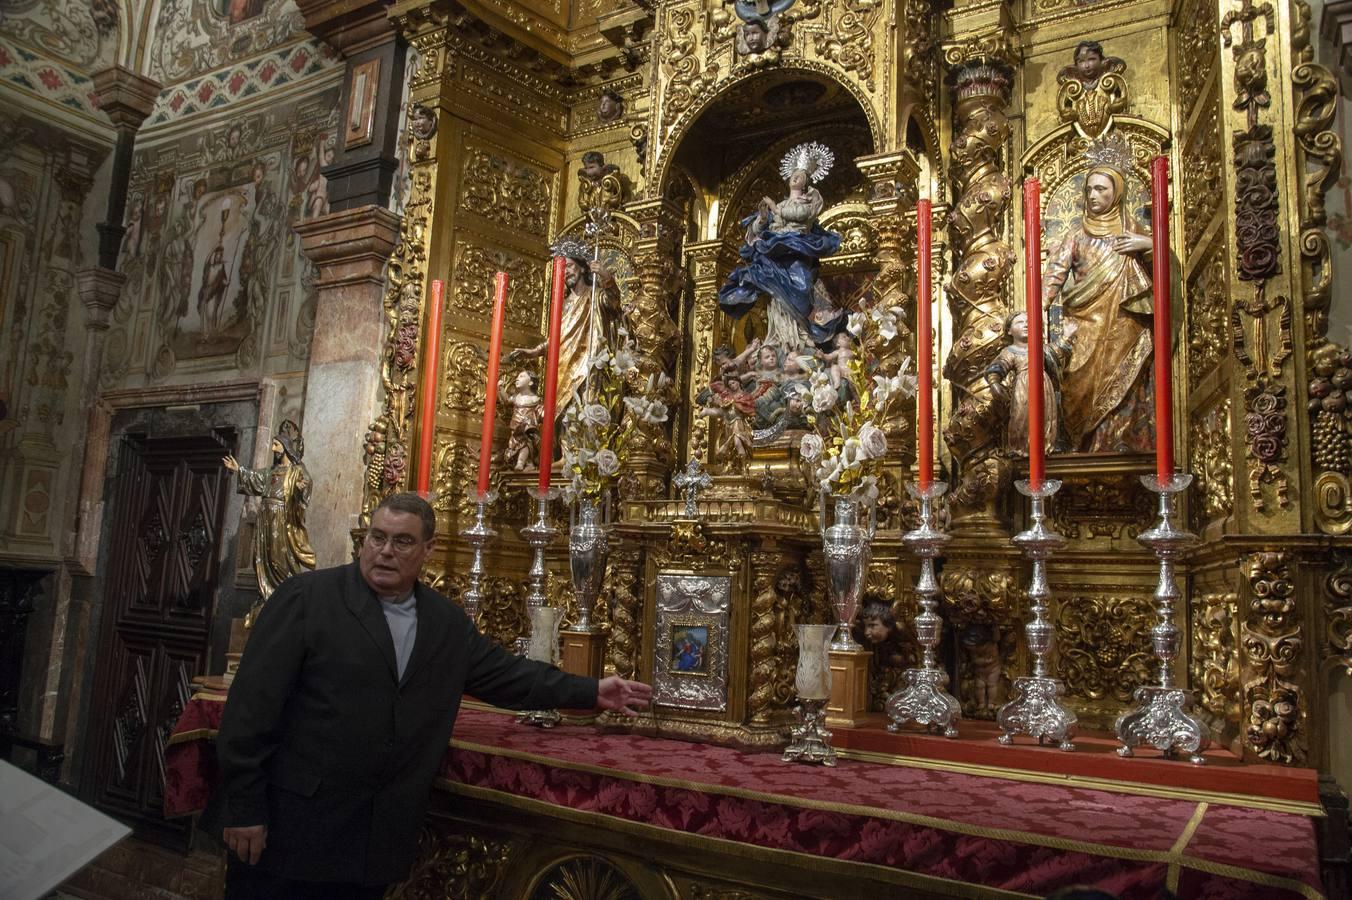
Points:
(995, 832)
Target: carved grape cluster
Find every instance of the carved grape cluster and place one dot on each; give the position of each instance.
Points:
(1330, 399)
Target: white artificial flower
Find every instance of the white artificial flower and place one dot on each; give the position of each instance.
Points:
(600, 359)
(905, 380)
(819, 378)
(658, 383)
(824, 397)
(649, 412)
(882, 388)
(811, 447)
(867, 490)
(872, 441)
(852, 453)
(623, 362)
(885, 318)
(855, 324)
(828, 471)
(595, 415)
(607, 463)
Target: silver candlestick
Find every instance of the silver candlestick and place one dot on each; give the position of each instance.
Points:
(539, 535)
(1160, 718)
(478, 536)
(1036, 710)
(925, 698)
(809, 741)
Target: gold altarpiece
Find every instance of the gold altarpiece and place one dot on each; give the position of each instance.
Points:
(954, 102)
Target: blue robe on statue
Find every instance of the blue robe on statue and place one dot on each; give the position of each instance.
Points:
(782, 264)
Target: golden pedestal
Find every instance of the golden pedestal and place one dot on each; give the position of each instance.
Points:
(583, 652)
(848, 706)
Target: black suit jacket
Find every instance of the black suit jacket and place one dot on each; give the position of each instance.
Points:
(323, 743)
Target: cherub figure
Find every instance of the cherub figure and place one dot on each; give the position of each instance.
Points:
(725, 362)
(839, 359)
(523, 442)
(875, 626)
(983, 652)
(726, 401)
(599, 183)
(610, 106)
(1090, 65)
(1008, 377)
(760, 36)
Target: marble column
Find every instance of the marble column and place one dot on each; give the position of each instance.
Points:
(342, 385)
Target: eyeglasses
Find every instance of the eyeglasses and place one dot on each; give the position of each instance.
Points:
(402, 544)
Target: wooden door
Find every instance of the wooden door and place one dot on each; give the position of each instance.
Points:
(164, 528)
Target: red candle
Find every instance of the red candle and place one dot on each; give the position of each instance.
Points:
(427, 412)
(925, 347)
(551, 374)
(1032, 244)
(1164, 413)
(491, 389)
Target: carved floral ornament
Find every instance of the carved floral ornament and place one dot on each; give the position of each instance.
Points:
(1271, 640)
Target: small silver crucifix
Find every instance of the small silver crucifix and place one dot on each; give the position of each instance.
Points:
(693, 480)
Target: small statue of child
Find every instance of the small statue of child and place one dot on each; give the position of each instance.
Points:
(1008, 378)
(523, 442)
(839, 359)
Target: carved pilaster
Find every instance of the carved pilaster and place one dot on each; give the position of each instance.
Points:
(773, 640)
(708, 263)
(656, 337)
(892, 179)
(1272, 644)
(892, 192)
(624, 594)
(980, 77)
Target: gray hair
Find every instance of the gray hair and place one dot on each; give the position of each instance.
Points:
(409, 502)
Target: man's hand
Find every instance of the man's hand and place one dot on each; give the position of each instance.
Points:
(618, 695)
(229, 463)
(248, 843)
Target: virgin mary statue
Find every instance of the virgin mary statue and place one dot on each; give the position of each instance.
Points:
(1099, 276)
(783, 247)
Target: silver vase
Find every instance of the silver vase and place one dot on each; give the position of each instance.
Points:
(588, 546)
(847, 546)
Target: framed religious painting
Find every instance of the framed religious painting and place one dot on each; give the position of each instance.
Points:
(690, 650)
(361, 104)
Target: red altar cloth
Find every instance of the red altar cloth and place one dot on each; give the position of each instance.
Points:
(1011, 835)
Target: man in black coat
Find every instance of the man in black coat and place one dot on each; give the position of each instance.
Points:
(342, 708)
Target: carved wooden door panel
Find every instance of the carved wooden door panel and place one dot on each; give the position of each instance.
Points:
(163, 563)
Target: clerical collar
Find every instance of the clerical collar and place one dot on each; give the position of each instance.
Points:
(404, 602)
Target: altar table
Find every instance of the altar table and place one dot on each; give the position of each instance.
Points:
(922, 830)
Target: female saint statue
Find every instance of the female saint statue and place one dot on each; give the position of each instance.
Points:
(783, 247)
(1105, 399)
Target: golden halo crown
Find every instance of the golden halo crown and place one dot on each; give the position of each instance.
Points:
(813, 158)
(1112, 152)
